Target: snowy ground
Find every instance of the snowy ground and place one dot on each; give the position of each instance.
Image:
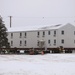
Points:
(48, 64)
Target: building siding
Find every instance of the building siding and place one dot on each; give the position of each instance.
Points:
(32, 37)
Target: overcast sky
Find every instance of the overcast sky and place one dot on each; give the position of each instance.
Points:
(37, 12)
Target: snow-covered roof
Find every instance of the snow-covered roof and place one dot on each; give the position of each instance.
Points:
(36, 28)
(51, 27)
(17, 29)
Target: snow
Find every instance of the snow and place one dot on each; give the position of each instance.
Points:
(48, 64)
(37, 27)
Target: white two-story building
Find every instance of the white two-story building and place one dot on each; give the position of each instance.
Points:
(51, 36)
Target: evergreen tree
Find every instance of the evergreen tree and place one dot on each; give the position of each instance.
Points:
(3, 35)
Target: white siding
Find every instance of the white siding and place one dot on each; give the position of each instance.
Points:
(32, 37)
(68, 36)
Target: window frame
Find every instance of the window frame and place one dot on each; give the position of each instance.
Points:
(11, 43)
(43, 33)
(49, 32)
(20, 35)
(20, 42)
(62, 32)
(11, 35)
(62, 41)
(25, 34)
(25, 43)
(54, 32)
(49, 41)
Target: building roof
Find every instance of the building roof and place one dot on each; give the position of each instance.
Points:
(17, 29)
(51, 27)
(36, 28)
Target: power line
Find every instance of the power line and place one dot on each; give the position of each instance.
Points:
(40, 17)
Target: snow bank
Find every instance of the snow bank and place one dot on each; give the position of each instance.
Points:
(49, 64)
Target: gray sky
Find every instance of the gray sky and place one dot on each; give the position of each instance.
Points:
(37, 12)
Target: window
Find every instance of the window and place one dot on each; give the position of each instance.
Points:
(38, 43)
(11, 43)
(74, 41)
(20, 35)
(54, 32)
(20, 43)
(25, 42)
(38, 34)
(48, 41)
(74, 32)
(62, 32)
(43, 33)
(11, 35)
(48, 32)
(62, 41)
(54, 41)
(25, 34)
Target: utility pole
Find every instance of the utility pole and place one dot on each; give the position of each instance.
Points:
(10, 20)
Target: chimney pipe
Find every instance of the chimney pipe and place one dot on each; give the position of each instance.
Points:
(10, 20)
